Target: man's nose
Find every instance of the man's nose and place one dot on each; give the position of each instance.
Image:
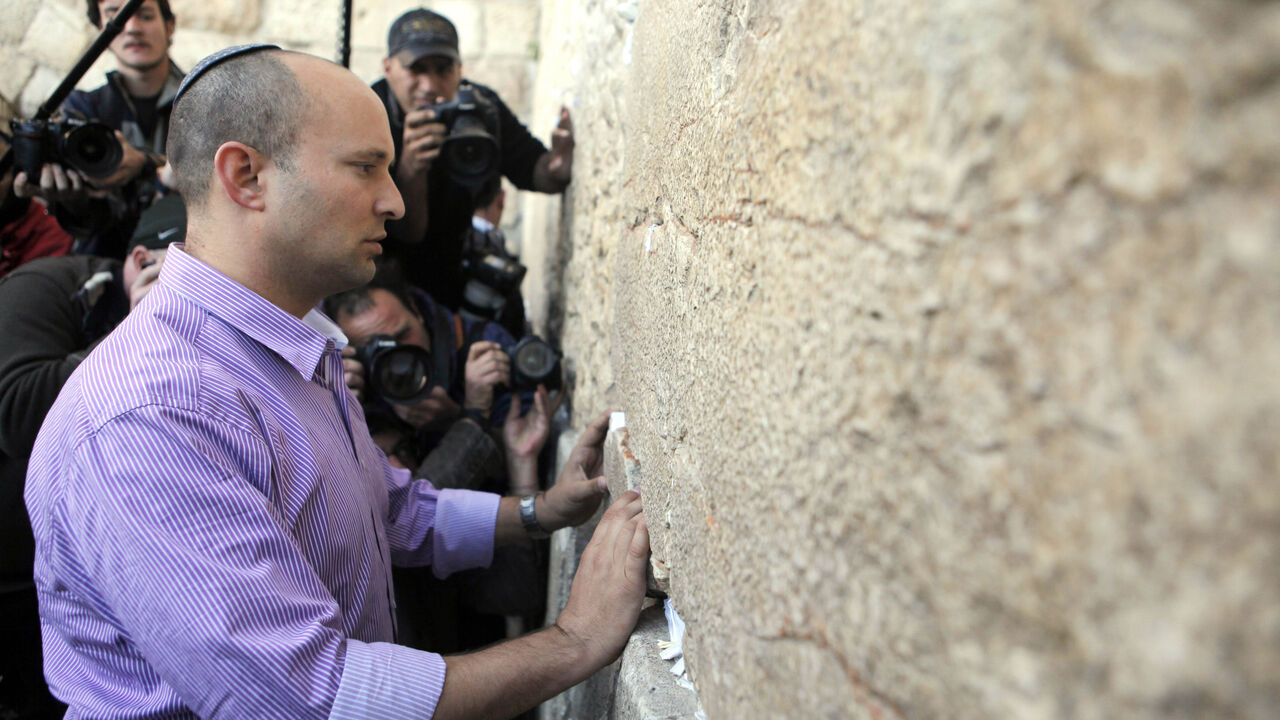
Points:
(390, 204)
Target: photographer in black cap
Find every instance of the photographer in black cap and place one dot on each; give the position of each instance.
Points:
(423, 69)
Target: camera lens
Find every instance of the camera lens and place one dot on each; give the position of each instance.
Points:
(535, 360)
(469, 156)
(92, 149)
(401, 374)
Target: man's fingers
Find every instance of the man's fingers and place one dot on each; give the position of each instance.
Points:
(639, 549)
(481, 348)
(596, 430)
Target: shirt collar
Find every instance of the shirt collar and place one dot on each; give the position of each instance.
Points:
(481, 224)
(301, 343)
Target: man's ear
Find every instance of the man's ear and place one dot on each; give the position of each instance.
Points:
(237, 166)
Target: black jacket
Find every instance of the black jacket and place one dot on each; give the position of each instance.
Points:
(47, 326)
(434, 263)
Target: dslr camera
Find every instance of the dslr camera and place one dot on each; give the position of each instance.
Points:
(469, 151)
(405, 374)
(399, 373)
(90, 147)
(491, 280)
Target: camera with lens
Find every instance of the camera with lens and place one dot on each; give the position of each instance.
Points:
(534, 362)
(491, 280)
(90, 147)
(405, 374)
(469, 151)
(399, 373)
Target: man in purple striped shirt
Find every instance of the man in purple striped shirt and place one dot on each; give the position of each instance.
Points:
(214, 526)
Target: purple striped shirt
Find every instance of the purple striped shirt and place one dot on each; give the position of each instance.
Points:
(215, 527)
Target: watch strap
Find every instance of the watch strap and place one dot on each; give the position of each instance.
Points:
(529, 518)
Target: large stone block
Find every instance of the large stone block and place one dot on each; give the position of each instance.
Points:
(512, 79)
(56, 36)
(41, 84)
(18, 69)
(229, 17)
(510, 29)
(299, 22)
(372, 22)
(18, 17)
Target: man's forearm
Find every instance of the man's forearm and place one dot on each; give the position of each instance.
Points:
(510, 678)
(509, 529)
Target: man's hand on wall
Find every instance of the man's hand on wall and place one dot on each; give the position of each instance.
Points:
(576, 495)
(608, 589)
(555, 168)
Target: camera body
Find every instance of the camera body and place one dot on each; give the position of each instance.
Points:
(90, 147)
(470, 149)
(534, 362)
(491, 280)
(399, 373)
(405, 374)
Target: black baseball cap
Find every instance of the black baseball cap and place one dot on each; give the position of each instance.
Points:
(163, 223)
(423, 33)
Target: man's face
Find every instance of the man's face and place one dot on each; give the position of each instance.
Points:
(328, 212)
(144, 43)
(426, 81)
(388, 316)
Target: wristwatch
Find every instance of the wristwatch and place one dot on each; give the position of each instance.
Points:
(529, 518)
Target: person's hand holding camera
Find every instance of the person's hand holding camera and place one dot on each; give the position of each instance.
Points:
(353, 371)
(423, 137)
(487, 367)
(56, 185)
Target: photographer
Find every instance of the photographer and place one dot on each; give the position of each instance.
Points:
(53, 311)
(27, 230)
(135, 102)
(423, 68)
(451, 437)
(485, 241)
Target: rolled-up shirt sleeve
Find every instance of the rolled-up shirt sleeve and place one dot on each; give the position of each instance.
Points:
(450, 530)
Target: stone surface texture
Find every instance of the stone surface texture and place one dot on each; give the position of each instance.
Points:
(948, 335)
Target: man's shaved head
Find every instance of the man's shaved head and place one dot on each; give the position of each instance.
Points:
(254, 98)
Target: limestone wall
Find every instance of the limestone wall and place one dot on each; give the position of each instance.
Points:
(948, 335)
